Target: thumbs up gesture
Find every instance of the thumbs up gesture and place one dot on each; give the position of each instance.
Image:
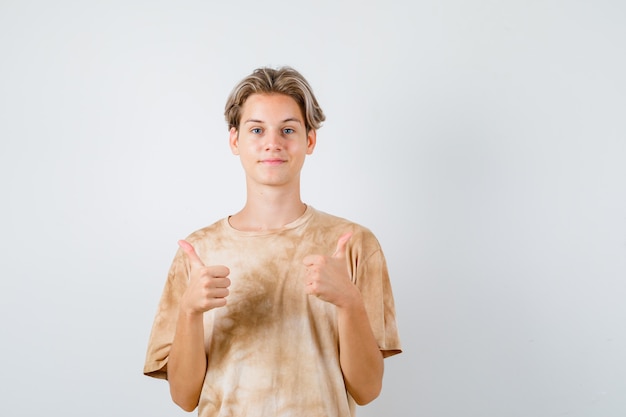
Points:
(328, 278)
(208, 285)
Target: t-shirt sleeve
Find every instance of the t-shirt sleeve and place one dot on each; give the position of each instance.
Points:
(164, 324)
(372, 279)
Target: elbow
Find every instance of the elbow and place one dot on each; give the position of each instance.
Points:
(186, 404)
(366, 396)
(184, 400)
(187, 407)
(366, 388)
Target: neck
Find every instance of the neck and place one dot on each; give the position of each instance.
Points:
(268, 209)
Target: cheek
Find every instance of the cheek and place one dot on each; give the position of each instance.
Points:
(299, 147)
(249, 147)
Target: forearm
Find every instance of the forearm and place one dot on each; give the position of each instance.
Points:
(187, 361)
(360, 358)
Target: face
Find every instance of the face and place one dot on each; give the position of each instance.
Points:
(272, 141)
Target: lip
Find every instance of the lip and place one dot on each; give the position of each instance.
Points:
(272, 161)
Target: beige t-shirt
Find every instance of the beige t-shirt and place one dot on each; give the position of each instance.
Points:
(273, 349)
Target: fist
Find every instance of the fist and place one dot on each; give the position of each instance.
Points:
(328, 277)
(208, 285)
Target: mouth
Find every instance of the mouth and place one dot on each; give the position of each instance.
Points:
(272, 161)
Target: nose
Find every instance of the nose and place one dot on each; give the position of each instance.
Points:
(273, 139)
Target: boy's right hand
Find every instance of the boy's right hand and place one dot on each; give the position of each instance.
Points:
(208, 285)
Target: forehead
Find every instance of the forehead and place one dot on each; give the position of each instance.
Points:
(270, 106)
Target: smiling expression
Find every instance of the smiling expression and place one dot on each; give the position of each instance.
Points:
(272, 141)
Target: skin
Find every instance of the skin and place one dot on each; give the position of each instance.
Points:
(272, 143)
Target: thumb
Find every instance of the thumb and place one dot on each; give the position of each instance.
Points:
(341, 245)
(194, 259)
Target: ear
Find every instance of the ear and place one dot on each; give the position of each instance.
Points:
(311, 138)
(233, 140)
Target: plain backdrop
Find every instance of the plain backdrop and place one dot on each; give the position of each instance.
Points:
(483, 142)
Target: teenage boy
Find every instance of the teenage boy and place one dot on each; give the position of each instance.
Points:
(279, 309)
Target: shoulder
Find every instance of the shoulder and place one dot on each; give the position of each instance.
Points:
(215, 230)
(361, 235)
(321, 217)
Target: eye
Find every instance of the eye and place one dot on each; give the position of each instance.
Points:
(256, 130)
(288, 131)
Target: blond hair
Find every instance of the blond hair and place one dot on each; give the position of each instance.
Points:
(284, 80)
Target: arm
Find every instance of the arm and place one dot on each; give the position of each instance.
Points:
(187, 363)
(359, 356)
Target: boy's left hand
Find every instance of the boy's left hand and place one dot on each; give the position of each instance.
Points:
(328, 278)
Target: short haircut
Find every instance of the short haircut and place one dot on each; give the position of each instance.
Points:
(283, 80)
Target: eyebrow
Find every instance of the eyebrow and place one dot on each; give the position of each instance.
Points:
(290, 119)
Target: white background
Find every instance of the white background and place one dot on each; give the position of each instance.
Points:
(484, 143)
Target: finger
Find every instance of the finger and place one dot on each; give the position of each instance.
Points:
(219, 292)
(220, 272)
(341, 245)
(194, 259)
